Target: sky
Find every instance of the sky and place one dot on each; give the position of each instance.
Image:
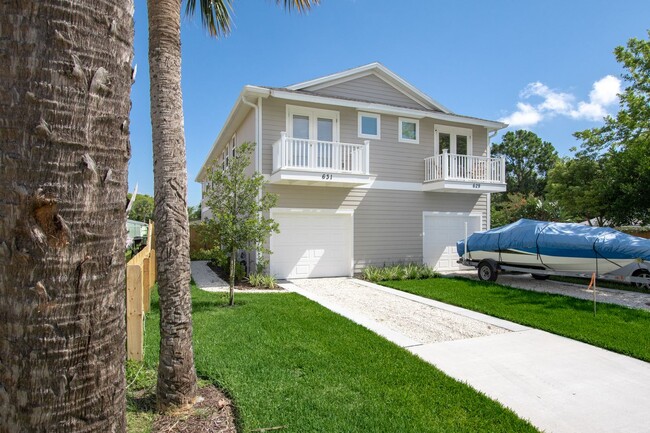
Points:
(546, 66)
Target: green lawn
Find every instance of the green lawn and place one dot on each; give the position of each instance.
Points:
(620, 329)
(286, 361)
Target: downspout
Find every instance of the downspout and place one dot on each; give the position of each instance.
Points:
(489, 196)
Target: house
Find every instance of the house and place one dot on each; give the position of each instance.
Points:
(369, 171)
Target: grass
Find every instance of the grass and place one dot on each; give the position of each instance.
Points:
(287, 362)
(601, 283)
(620, 329)
(140, 397)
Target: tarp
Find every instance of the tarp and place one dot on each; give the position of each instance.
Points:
(559, 239)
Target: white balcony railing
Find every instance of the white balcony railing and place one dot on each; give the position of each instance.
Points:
(317, 155)
(467, 168)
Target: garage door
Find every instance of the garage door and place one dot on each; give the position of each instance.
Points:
(441, 232)
(312, 244)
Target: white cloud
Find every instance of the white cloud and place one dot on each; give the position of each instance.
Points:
(525, 116)
(603, 94)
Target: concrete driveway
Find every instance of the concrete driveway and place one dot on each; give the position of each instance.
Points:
(559, 384)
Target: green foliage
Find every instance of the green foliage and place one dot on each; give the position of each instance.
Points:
(623, 330)
(262, 281)
(202, 254)
(577, 186)
(238, 221)
(622, 145)
(194, 212)
(142, 209)
(516, 206)
(528, 160)
(410, 271)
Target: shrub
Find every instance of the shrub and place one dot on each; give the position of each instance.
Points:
(262, 281)
(410, 271)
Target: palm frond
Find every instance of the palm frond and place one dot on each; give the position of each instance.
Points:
(215, 15)
(300, 5)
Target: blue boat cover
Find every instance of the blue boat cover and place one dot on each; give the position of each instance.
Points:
(559, 239)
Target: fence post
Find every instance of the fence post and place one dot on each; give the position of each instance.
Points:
(146, 284)
(134, 313)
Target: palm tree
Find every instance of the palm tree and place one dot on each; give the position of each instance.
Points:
(65, 82)
(176, 376)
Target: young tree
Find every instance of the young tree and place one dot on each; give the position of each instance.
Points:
(65, 80)
(623, 143)
(238, 214)
(528, 159)
(176, 376)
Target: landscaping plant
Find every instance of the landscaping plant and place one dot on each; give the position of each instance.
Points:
(238, 212)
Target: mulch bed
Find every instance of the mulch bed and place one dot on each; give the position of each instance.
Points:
(239, 285)
(214, 414)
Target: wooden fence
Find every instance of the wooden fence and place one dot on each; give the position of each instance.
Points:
(140, 278)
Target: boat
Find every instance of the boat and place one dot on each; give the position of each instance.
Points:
(545, 248)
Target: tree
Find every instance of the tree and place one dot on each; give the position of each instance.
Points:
(576, 184)
(623, 143)
(528, 159)
(142, 209)
(176, 376)
(516, 206)
(65, 79)
(194, 212)
(237, 212)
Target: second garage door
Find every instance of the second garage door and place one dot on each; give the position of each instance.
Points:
(441, 232)
(312, 243)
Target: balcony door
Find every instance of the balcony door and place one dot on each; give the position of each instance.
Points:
(457, 141)
(313, 133)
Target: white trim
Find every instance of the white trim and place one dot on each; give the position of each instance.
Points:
(371, 115)
(400, 138)
(385, 109)
(313, 114)
(453, 132)
(390, 185)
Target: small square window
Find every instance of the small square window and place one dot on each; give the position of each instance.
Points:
(369, 125)
(409, 131)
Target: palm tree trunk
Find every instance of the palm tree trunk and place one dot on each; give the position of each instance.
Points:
(65, 69)
(176, 375)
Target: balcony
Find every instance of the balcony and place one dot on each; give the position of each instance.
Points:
(299, 161)
(464, 174)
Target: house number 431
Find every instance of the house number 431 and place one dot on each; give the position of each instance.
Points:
(327, 176)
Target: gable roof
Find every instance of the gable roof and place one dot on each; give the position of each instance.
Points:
(380, 71)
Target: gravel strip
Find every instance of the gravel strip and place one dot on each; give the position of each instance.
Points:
(417, 321)
(610, 296)
(206, 279)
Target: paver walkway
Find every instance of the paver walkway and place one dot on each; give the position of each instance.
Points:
(560, 385)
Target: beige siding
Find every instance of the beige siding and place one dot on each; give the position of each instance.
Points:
(369, 88)
(387, 223)
(245, 133)
(390, 160)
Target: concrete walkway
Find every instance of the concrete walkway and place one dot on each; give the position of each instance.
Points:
(206, 279)
(559, 384)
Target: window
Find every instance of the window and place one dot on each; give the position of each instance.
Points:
(369, 125)
(233, 144)
(453, 139)
(311, 132)
(409, 131)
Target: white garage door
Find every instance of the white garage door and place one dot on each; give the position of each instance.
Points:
(312, 244)
(441, 232)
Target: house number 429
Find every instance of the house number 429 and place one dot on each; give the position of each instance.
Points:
(476, 185)
(327, 176)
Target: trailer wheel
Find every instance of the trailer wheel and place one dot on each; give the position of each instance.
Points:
(540, 277)
(642, 273)
(487, 270)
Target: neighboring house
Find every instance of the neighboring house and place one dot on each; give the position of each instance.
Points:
(368, 169)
